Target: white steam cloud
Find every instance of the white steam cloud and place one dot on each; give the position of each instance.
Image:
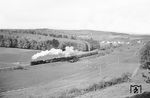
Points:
(68, 52)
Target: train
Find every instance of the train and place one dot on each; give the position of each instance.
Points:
(70, 59)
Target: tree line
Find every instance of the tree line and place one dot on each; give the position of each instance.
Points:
(35, 39)
(26, 43)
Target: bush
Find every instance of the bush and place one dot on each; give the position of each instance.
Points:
(19, 68)
(145, 56)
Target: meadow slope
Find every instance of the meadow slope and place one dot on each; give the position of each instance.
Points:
(50, 79)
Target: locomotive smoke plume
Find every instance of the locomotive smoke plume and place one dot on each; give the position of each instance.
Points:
(68, 52)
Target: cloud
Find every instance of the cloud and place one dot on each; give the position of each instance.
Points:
(110, 15)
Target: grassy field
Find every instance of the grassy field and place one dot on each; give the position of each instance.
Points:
(13, 56)
(50, 78)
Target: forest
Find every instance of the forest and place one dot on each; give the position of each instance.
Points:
(43, 40)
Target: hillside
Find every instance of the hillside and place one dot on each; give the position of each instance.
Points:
(106, 74)
(78, 75)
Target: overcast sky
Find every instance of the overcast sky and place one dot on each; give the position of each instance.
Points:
(131, 16)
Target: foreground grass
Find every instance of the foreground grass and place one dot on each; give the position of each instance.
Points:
(74, 92)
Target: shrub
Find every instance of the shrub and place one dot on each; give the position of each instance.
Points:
(145, 56)
(19, 68)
